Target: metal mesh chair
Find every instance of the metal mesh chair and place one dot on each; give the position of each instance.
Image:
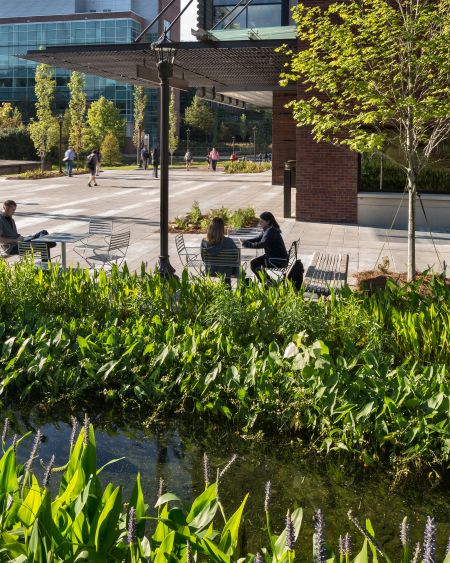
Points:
(113, 252)
(39, 251)
(99, 232)
(226, 263)
(281, 269)
(188, 258)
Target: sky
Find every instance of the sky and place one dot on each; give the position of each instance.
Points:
(188, 21)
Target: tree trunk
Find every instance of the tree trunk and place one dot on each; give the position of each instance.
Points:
(411, 224)
(42, 164)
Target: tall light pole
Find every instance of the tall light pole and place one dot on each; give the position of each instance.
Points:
(60, 122)
(165, 52)
(188, 136)
(254, 142)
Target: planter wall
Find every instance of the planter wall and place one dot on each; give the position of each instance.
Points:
(379, 209)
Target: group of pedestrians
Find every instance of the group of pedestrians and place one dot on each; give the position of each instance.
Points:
(153, 156)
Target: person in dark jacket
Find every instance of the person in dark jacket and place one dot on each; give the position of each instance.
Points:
(275, 253)
(213, 244)
(155, 161)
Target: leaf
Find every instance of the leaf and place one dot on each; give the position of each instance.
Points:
(230, 533)
(365, 411)
(202, 502)
(107, 529)
(166, 497)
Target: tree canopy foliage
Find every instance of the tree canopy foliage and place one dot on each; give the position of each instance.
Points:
(199, 116)
(77, 111)
(376, 73)
(10, 116)
(103, 117)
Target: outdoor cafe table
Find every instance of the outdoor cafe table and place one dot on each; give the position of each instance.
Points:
(63, 238)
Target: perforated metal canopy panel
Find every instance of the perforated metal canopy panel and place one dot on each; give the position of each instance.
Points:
(225, 65)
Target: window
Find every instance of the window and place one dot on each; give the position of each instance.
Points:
(260, 13)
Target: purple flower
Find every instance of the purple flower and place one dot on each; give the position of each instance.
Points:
(14, 442)
(259, 558)
(34, 451)
(347, 545)
(228, 465)
(87, 424)
(74, 431)
(48, 470)
(290, 532)
(447, 549)
(131, 526)
(416, 555)
(5, 430)
(404, 533)
(268, 491)
(341, 546)
(319, 540)
(429, 541)
(206, 469)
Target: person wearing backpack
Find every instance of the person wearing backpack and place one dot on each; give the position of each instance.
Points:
(188, 159)
(91, 164)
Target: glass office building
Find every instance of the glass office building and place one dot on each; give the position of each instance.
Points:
(259, 13)
(17, 75)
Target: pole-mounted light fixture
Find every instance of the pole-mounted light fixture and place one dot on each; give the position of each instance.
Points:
(165, 53)
(254, 142)
(60, 119)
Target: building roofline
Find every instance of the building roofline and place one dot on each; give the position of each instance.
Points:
(82, 16)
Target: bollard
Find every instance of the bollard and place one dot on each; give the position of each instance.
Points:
(289, 182)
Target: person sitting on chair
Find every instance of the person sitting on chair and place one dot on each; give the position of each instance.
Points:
(213, 244)
(275, 253)
(9, 237)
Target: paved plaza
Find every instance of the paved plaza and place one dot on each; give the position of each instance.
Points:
(131, 199)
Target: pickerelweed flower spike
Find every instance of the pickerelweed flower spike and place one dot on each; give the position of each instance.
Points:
(447, 549)
(341, 546)
(217, 484)
(131, 536)
(14, 442)
(34, 451)
(416, 555)
(87, 424)
(161, 487)
(268, 491)
(259, 558)
(404, 533)
(290, 532)
(48, 470)
(5, 430)
(348, 545)
(206, 469)
(429, 541)
(228, 465)
(365, 533)
(319, 540)
(73, 433)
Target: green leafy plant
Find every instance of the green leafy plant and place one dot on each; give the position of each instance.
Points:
(245, 167)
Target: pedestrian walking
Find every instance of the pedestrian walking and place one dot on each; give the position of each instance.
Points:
(214, 157)
(69, 157)
(144, 157)
(91, 163)
(188, 159)
(208, 160)
(98, 164)
(155, 161)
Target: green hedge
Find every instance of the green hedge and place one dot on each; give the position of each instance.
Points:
(394, 180)
(16, 144)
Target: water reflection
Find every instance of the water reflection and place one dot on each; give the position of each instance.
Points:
(175, 453)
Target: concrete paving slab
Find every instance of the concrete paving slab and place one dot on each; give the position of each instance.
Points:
(131, 199)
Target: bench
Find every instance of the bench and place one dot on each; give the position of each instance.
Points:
(326, 273)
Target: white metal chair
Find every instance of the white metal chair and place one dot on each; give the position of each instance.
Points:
(113, 252)
(39, 251)
(99, 232)
(188, 257)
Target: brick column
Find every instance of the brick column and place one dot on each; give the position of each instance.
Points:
(327, 181)
(283, 134)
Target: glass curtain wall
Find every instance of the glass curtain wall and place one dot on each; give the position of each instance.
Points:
(17, 75)
(260, 13)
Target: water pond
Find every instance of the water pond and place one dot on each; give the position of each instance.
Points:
(175, 453)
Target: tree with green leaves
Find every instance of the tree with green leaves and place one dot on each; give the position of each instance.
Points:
(199, 116)
(77, 113)
(44, 129)
(110, 149)
(173, 127)
(376, 74)
(103, 117)
(10, 116)
(139, 105)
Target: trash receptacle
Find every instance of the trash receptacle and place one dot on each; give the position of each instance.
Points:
(289, 183)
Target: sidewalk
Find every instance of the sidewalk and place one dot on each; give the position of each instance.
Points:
(131, 199)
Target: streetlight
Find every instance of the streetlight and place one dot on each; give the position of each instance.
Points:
(61, 122)
(165, 53)
(254, 142)
(188, 136)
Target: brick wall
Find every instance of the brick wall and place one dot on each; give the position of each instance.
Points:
(283, 135)
(327, 181)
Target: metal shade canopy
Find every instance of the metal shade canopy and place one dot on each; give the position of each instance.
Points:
(223, 66)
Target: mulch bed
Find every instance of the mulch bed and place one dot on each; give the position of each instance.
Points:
(371, 280)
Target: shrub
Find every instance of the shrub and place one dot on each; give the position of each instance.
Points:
(110, 149)
(16, 144)
(194, 214)
(245, 167)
